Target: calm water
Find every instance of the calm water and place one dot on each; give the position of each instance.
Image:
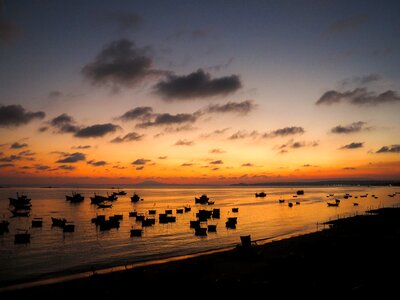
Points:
(52, 252)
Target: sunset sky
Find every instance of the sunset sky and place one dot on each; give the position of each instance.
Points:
(206, 92)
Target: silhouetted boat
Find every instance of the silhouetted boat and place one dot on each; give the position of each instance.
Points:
(22, 238)
(136, 232)
(355, 204)
(300, 192)
(69, 227)
(104, 205)
(21, 199)
(281, 201)
(200, 231)
(187, 208)
(262, 195)
(202, 200)
(120, 193)
(333, 204)
(135, 198)
(76, 197)
(98, 199)
(132, 214)
(235, 209)
(4, 226)
(179, 210)
(37, 222)
(59, 222)
(212, 228)
(290, 204)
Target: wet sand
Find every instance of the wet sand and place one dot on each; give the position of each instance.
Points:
(358, 255)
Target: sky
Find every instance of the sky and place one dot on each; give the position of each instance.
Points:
(205, 92)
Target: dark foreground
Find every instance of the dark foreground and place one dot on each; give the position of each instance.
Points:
(358, 255)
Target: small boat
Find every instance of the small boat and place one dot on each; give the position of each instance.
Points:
(290, 204)
(120, 193)
(200, 231)
(212, 228)
(22, 238)
(216, 213)
(300, 192)
(98, 199)
(4, 226)
(69, 227)
(132, 214)
(76, 197)
(187, 208)
(23, 199)
(168, 211)
(135, 198)
(297, 202)
(262, 195)
(281, 201)
(235, 209)
(148, 222)
(59, 222)
(202, 200)
(179, 210)
(136, 232)
(152, 211)
(194, 224)
(355, 204)
(333, 204)
(104, 205)
(37, 222)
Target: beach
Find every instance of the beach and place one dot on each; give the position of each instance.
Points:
(357, 255)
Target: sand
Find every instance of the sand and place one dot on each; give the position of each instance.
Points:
(356, 256)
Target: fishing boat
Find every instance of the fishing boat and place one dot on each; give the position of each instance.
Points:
(135, 198)
(59, 222)
(203, 199)
(261, 195)
(76, 197)
(22, 238)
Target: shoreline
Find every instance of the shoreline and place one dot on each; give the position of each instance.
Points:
(361, 249)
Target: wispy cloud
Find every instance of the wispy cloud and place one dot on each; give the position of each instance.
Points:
(286, 131)
(184, 143)
(241, 108)
(132, 136)
(352, 146)
(72, 158)
(217, 151)
(389, 149)
(17, 145)
(98, 163)
(350, 128)
(137, 113)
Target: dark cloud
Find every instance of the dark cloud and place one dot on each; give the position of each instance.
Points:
(139, 168)
(55, 94)
(120, 64)
(81, 147)
(196, 85)
(349, 168)
(186, 127)
(17, 145)
(358, 96)
(361, 79)
(242, 134)
(217, 151)
(43, 129)
(40, 167)
(352, 146)
(351, 128)
(118, 167)
(247, 165)
(131, 136)
(98, 163)
(216, 162)
(186, 165)
(141, 161)
(162, 157)
(10, 158)
(64, 123)
(168, 119)
(389, 149)
(214, 169)
(296, 145)
(184, 143)
(215, 132)
(347, 24)
(241, 108)
(26, 153)
(6, 165)
(65, 167)
(286, 131)
(16, 115)
(309, 166)
(97, 130)
(72, 158)
(125, 20)
(141, 112)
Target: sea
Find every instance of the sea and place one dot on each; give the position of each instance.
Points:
(52, 253)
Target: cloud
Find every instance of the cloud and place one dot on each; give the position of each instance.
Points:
(348, 168)
(118, 167)
(242, 134)
(81, 147)
(196, 85)
(125, 20)
(97, 130)
(359, 97)
(347, 24)
(65, 167)
(168, 119)
(286, 131)
(55, 94)
(247, 165)
(131, 136)
(184, 143)
(10, 158)
(240, 108)
(217, 151)
(139, 168)
(6, 166)
(141, 112)
(216, 162)
(72, 158)
(141, 161)
(40, 167)
(26, 153)
(309, 166)
(215, 132)
(120, 64)
(351, 128)
(362, 80)
(352, 146)
(389, 149)
(16, 115)
(64, 123)
(17, 145)
(220, 67)
(214, 169)
(186, 165)
(97, 163)
(162, 157)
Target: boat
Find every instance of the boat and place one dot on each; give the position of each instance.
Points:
(21, 199)
(235, 209)
(355, 204)
(104, 205)
(76, 197)
(281, 201)
(136, 232)
(290, 204)
(22, 238)
(262, 195)
(135, 198)
(4, 226)
(37, 222)
(200, 231)
(120, 193)
(333, 204)
(69, 227)
(203, 199)
(179, 210)
(98, 199)
(132, 214)
(300, 192)
(59, 222)
(212, 228)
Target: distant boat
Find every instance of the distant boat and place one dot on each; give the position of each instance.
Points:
(76, 197)
(69, 227)
(355, 204)
(59, 222)
(235, 209)
(202, 200)
(300, 192)
(262, 195)
(37, 222)
(120, 193)
(4, 226)
(22, 238)
(104, 205)
(290, 204)
(135, 198)
(23, 199)
(281, 201)
(136, 232)
(333, 204)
